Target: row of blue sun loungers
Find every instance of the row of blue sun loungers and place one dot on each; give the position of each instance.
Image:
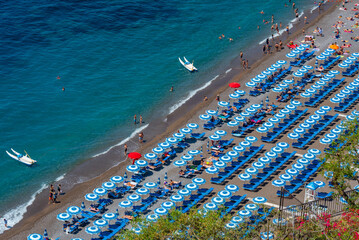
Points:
(268, 85)
(268, 171)
(322, 94)
(301, 178)
(287, 122)
(350, 71)
(302, 58)
(113, 229)
(330, 62)
(228, 171)
(194, 199)
(348, 101)
(314, 131)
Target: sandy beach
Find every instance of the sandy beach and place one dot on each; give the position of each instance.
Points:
(41, 215)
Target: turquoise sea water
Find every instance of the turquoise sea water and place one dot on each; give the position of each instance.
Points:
(115, 59)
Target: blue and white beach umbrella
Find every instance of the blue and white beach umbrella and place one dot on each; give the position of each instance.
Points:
(290, 107)
(251, 207)
(258, 165)
(240, 119)
(187, 157)
(142, 191)
(335, 100)
(320, 184)
(355, 54)
(325, 140)
(267, 235)
(171, 140)
(219, 164)
(277, 221)
(315, 117)
(341, 95)
(309, 156)
(320, 83)
(215, 137)
(176, 198)
(192, 125)
(239, 149)
(343, 65)
(291, 55)
(35, 236)
(265, 72)
(194, 152)
(245, 176)
(277, 149)
(288, 81)
(296, 103)
(231, 225)
(271, 155)
(325, 79)
(251, 170)
(223, 104)
(133, 168)
(275, 65)
(320, 57)
(354, 84)
(161, 211)
(109, 216)
(134, 198)
(285, 111)
(165, 145)
(274, 120)
(342, 200)
(100, 191)
(306, 95)
(231, 154)
(251, 110)
(168, 205)
(218, 200)
(240, 92)
(245, 213)
(256, 106)
(345, 91)
(259, 200)
(224, 194)
(325, 108)
(232, 188)
(150, 185)
(64, 217)
(314, 151)
(237, 219)
(191, 186)
(151, 156)
(199, 181)
(302, 70)
(262, 129)
(100, 223)
(250, 84)
(336, 131)
(348, 61)
(283, 145)
(326, 53)
(277, 89)
(210, 206)
(245, 114)
(355, 113)
(212, 170)
(245, 144)
(205, 117)
(73, 210)
(305, 125)
(298, 74)
(293, 135)
(310, 121)
(308, 67)
(298, 166)
(281, 62)
(136, 230)
(311, 90)
(292, 171)
(273, 68)
(211, 112)
(251, 139)
(152, 218)
(278, 183)
(299, 130)
(93, 230)
(226, 158)
(158, 150)
(350, 117)
(125, 204)
(220, 132)
(264, 160)
(316, 87)
(91, 197)
(141, 163)
(303, 161)
(234, 95)
(286, 177)
(320, 112)
(261, 76)
(180, 163)
(233, 123)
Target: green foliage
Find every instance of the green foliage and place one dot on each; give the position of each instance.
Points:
(342, 159)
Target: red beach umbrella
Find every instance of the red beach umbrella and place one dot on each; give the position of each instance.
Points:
(134, 155)
(234, 85)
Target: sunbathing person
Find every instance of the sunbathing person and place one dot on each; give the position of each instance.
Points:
(181, 172)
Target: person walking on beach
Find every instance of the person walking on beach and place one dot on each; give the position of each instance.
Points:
(140, 119)
(125, 149)
(59, 190)
(241, 54)
(264, 49)
(140, 137)
(134, 119)
(217, 98)
(5, 223)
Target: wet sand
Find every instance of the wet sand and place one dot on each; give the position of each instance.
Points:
(41, 215)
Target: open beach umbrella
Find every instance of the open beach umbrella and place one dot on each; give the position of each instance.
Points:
(142, 191)
(150, 185)
(161, 211)
(232, 188)
(150, 156)
(152, 218)
(336, 131)
(320, 184)
(223, 104)
(210, 206)
(73, 210)
(35, 236)
(259, 200)
(345, 91)
(125, 204)
(245, 176)
(215, 137)
(311, 90)
(343, 65)
(212, 170)
(133, 168)
(109, 216)
(100, 223)
(134, 198)
(277, 89)
(205, 117)
(234, 85)
(240, 119)
(158, 150)
(187, 157)
(278, 183)
(240, 92)
(251, 110)
(177, 198)
(64, 217)
(258, 165)
(286, 177)
(245, 114)
(285, 111)
(288, 81)
(168, 205)
(245, 213)
(309, 156)
(306, 95)
(194, 152)
(256, 80)
(298, 166)
(262, 129)
(220, 132)
(234, 95)
(251, 170)
(261, 76)
(251, 207)
(299, 130)
(251, 139)
(92, 197)
(245, 144)
(292, 171)
(315, 86)
(314, 151)
(233, 123)
(199, 181)
(237, 219)
(93, 230)
(192, 125)
(180, 163)
(310, 121)
(141, 163)
(268, 125)
(191, 186)
(273, 68)
(165, 145)
(298, 74)
(218, 200)
(293, 135)
(271, 155)
(320, 57)
(265, 72)
(274, 120)
(134, 155)
(277, 149)
(275, 65)
(267, 235)
(264, 160)
(211, 112)
(136, 230)
(226, 158)
(171, 140)
(303, 161)
(224, 194)
(250, 84)
(283, 145)
(239, 149)
(325, 140)
(290, 107)
(291, 55)
(231, 225)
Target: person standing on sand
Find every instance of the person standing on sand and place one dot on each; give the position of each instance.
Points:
(140, 119)
(264, 49)
(5, 223)
(59, 190)
(125, 149)
(205, 98)
(134, 119)
(241, 54)
(217, 98)
(140, 137)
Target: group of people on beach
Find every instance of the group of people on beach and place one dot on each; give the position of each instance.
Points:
(53, 195)
(135, 120)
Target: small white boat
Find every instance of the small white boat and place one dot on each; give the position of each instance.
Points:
(187, 64)
(21, 158)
